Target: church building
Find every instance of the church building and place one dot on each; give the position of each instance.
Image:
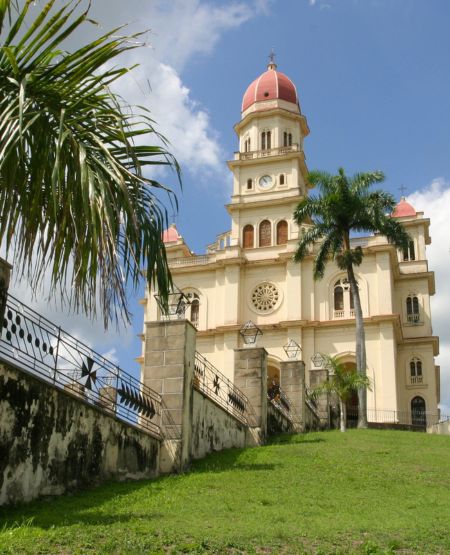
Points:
(248, 272)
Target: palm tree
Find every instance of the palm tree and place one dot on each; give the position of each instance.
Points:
(343, 383)
(344, 206)
(75, 196)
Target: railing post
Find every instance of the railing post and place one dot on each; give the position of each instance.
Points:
(58, 339)
(5, 274)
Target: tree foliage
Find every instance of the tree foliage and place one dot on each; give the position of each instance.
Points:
(344, 206)
(75, 196)
(342, 383)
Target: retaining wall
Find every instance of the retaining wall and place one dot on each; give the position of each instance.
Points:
(55, 442)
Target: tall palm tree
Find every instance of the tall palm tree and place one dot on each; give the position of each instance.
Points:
(343, 383)
(344, 206)
(75, 196)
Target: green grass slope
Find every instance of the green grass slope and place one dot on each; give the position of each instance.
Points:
(366, 491)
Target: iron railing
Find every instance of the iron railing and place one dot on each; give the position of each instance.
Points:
(281, 402)
(36, 345)
(414, 420)
(216, 386)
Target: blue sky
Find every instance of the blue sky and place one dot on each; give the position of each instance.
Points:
(373, 80)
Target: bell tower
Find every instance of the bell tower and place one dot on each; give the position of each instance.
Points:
(269, 169)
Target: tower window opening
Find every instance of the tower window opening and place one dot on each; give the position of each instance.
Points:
(409, 253)
(412, 309)
(249, 184)
(247, 145)
(248, 236)
(265, 234)
(287, 139)
(415, 370)
(282, 232)
(282, 179)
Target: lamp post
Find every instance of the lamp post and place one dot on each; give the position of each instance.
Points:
(177, 302)
(249, 333)
(292, 349)
(320, 361)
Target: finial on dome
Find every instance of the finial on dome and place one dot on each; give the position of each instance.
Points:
(403, 190)
(272, 64)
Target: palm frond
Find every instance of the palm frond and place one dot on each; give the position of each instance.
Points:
(75, 197)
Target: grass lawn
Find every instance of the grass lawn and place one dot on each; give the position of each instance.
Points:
(366, 491)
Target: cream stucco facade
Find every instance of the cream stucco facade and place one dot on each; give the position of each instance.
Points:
(250, 275)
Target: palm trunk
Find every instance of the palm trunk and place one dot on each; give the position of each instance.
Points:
(361, 365)
(343, 412)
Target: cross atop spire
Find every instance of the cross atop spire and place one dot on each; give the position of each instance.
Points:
(403, 190)
(272, 64)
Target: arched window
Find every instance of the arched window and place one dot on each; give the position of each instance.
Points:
(343, 299)
(193, 310)
(265, 234)
(282, 179)
(415, 370)
(249, 184)
(266, 140)
(248, 236)
(412, 309)
(282, 232)
(247, 145)
(409, 253)
(287, 139)
(418, 412)
(338, 298)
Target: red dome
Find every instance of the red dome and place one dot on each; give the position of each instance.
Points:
(403, 209)
(171, 234)
(270, 85)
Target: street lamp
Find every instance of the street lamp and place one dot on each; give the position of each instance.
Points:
(177, 302)
(250, 332)
(292, 349)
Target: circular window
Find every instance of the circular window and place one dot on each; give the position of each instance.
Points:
(265, 298)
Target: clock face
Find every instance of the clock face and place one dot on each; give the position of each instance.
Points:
(265, 182)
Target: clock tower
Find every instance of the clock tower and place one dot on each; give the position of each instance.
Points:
(269, 170)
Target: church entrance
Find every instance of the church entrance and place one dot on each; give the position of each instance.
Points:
(352, 401)
(273, 382)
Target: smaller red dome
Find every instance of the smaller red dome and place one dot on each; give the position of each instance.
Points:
(170, 235)
(403, 209)
(270, 85)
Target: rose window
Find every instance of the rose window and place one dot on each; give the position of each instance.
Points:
(265, 297)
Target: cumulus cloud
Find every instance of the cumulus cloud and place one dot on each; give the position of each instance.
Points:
(434, 201)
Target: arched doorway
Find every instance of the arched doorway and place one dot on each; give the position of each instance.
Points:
(418, 413)
(352, 401)
(273, 381)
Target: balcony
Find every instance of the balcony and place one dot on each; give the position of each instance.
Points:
(413, 319)
(416, 380)
(200, 260)
(254, 154)
(343, 314)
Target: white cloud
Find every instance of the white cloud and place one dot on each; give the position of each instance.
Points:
(434, 200)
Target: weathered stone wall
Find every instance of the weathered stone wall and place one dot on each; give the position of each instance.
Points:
(51, 442)
(213, 428)
(250, 376)
(277, 423)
